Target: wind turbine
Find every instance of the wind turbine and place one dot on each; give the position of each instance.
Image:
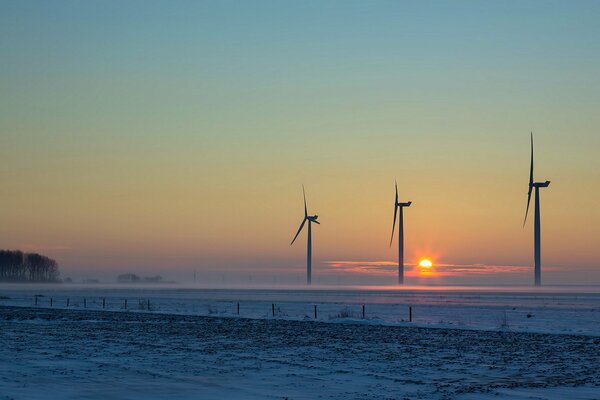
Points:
(537, 228)
(310, 219)
(398, 205)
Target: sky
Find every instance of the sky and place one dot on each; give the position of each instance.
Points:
(162, 137)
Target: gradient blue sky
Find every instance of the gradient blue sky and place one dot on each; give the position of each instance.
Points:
(162, 137)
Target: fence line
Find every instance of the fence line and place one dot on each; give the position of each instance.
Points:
(146, 305)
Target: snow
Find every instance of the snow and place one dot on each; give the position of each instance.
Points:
(554, 310)
(192, 345)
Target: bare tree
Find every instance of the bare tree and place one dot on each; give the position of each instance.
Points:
(16, 266)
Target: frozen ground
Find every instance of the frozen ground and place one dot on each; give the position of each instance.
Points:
(549, 310)
(87, 354)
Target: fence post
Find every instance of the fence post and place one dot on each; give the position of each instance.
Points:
(35, 300)
(148, 304)
(315, 311)
(409, 313)
(84, 303)
(363, 311)
(238, 308)
(67, 302)
(103, 302)
(51, 301)
(126, 304)
(273, 309)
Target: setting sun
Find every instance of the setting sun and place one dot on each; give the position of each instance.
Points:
(425, 263)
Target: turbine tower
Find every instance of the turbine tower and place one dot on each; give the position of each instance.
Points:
(537, 227)
(400, 206)
(310, 219)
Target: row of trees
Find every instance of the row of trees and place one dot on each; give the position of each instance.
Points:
(16, 266)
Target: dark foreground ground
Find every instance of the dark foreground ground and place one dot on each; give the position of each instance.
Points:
(75, 354)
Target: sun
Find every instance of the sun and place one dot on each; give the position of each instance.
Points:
(425, 263)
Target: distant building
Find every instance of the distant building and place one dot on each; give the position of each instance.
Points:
(128, 278)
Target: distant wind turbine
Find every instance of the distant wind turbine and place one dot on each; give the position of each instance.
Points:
(310, 220)
(398, 205)
(537, 228)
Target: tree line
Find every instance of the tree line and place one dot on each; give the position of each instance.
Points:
(16, 266)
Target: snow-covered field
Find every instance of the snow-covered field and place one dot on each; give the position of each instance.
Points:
(84, 354)
(462, 344)
(548, 310)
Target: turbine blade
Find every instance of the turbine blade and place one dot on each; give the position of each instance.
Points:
(394, 224)
(305, 208)
(317, 222)
(396, 182)
(530, 182)
(531, 166)
(527, 209)
(299, 229)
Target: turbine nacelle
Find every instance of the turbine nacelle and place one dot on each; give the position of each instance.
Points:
(404, 204)
(541, 184)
